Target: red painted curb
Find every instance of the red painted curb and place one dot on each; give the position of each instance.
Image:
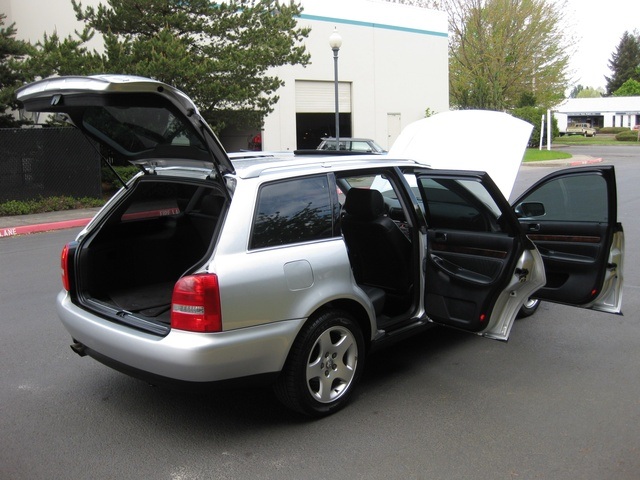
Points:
(585, 162)
(43, 227)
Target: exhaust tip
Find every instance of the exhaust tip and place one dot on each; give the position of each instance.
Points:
(79, 348)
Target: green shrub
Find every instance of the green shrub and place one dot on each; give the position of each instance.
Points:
(47, 204)
(533, 115)
(612, 130)
(15, 207)
(628, 136)
(111, 181)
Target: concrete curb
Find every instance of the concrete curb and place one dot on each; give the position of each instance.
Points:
(585, 162)
(43, 227)
(563, 163)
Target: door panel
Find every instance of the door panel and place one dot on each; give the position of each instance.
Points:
(474, 245)
(574, 228)
(571, 260)
(464, 272)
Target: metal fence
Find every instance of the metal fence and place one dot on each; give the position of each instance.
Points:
(46, 162)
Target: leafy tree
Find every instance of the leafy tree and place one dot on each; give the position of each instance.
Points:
(11, 76)
(219, 53)
(505, 51)
(624, 62)
(575, 91)
(527, 99)
(580, 91)
(630, 88)
(590, 92)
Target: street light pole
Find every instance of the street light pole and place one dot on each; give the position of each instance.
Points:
(335, 42)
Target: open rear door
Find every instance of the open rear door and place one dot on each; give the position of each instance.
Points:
(571, 216)
(479, 267)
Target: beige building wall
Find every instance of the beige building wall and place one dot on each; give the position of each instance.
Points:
(34, 18)
(393, 60)
(393, 56)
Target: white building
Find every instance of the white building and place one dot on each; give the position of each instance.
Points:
(392, 67)
(599, 112)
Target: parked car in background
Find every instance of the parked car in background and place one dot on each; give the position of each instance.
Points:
(581, 129)
(291, 271)
(364, 145)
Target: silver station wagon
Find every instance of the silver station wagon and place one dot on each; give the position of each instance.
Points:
(216, 268)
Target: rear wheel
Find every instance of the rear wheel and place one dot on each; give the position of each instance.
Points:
(324, 365)
(529, 307)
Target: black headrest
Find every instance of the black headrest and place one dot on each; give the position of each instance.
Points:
(364, 203)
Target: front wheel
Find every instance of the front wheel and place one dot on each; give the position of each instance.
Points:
(324, 365)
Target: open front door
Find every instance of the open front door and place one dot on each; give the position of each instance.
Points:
(571, 216)
(479, 267)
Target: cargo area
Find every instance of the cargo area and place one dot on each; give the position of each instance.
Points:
(158, 232)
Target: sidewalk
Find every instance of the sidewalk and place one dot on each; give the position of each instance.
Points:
(44, 222)
(574, 161)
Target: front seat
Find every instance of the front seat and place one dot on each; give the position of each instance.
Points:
(380, 253)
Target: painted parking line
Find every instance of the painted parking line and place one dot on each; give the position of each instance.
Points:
(43, 227)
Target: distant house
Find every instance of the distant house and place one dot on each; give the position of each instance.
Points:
(599, 112)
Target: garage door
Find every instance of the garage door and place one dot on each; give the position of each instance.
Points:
(319, 97)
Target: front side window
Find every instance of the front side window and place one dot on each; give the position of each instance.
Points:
(577, 198)
(293, 211)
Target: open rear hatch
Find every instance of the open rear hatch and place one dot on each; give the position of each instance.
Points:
(161, 227)
(143, 120)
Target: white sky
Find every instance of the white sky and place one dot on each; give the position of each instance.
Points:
(599, 25)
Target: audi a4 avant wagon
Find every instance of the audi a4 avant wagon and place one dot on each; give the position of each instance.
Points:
(290, 271)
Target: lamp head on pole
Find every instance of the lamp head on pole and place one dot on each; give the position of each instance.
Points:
(335, 40)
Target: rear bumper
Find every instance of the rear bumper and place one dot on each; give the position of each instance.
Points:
(181, 356)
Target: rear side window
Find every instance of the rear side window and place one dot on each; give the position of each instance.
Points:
(293, 211)
(458, 204)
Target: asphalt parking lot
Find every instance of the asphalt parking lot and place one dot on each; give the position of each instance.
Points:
(560, 400)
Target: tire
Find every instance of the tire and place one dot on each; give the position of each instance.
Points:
(324, 365)
(529, 308)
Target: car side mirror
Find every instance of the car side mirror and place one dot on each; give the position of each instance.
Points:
(530, 209)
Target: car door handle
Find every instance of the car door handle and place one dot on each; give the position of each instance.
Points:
(460, 273)
(533, 227)
(441, 236)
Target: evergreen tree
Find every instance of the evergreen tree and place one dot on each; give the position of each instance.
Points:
(624, 62)
(218, 53)
(11, 76)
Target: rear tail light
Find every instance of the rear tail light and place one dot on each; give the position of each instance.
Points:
(195, 305)
(64, 264)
